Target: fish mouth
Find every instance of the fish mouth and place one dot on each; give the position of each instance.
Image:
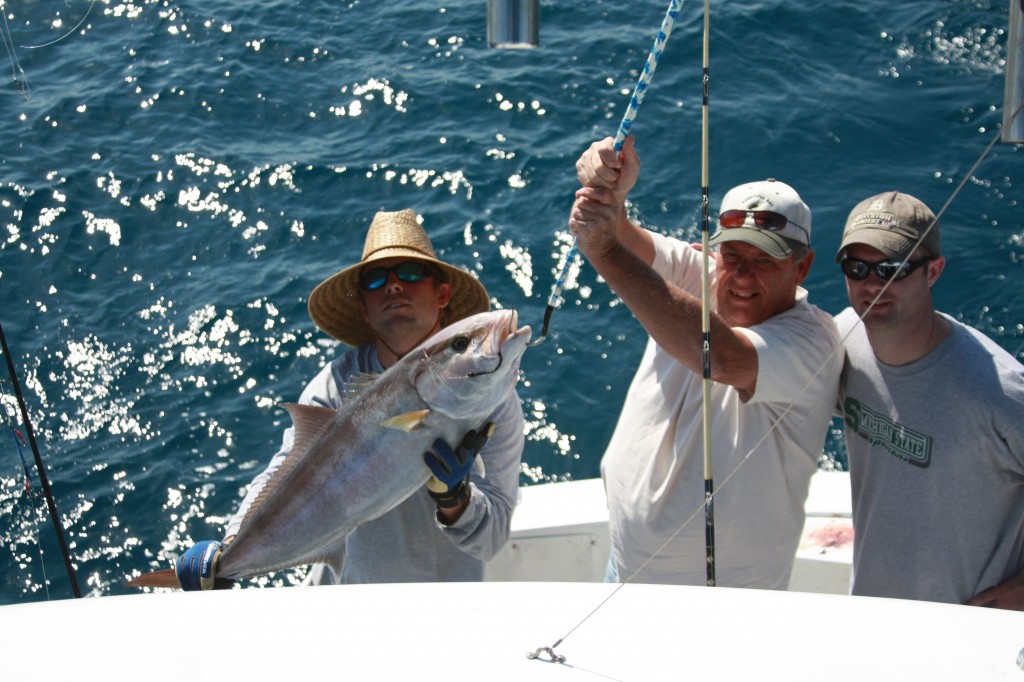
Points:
(508, 341)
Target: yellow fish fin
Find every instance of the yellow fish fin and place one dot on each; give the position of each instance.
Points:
(407, 421)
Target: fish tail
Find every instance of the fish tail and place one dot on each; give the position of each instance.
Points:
(164, 578)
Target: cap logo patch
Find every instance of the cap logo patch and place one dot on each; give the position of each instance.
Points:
(885, 221)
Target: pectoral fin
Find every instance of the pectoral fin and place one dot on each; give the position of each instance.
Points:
(407, 421)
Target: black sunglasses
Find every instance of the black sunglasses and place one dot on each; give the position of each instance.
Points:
(895, 270)
(409, 271)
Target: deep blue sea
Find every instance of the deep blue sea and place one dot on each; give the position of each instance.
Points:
(176, 176)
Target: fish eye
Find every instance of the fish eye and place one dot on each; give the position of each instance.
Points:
(460, 343)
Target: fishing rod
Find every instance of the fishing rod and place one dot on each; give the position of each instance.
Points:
(555, 299)
(705, 318)
(43, 481)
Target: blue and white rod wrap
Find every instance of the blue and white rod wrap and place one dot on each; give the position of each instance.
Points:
(645, 78)
(555, 300)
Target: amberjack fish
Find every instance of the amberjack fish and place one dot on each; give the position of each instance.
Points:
(353, 464)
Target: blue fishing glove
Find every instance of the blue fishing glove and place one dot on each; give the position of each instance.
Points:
(449, 484)
(197, 567)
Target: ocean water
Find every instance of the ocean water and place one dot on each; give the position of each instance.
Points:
(175, 177)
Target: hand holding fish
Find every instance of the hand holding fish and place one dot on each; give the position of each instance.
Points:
(197, 566)
(449, 482)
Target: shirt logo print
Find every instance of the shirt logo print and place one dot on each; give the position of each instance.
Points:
(901, 442)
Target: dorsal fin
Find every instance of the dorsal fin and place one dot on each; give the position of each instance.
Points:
(308, 421)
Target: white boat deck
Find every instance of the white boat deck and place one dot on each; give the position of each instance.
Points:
(560, 533)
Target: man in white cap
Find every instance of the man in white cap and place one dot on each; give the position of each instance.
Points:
(396, 297)
(934, 419)
(774, 359)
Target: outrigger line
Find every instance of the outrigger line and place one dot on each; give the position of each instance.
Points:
(17, 73)
(40, 469)
(555, 299)
(57, 40)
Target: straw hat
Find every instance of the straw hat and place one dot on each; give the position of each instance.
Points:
(334, 304)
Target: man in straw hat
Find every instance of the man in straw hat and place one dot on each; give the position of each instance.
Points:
(385, 305)
(934, 420)
(773, 357)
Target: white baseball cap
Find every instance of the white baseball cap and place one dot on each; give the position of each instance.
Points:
(768, 214)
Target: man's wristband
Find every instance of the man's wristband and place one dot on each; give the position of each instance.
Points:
(452, 498)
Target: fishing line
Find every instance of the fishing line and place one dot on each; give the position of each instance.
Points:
(938, 215)
(555, 299)
(17, 73)
(550, 651)
(77, 26)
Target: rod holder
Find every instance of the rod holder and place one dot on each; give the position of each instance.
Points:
(513, 24)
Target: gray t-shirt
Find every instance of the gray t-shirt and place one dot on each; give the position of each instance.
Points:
(936, 453)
